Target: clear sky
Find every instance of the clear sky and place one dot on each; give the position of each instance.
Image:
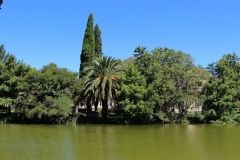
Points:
(43, 31)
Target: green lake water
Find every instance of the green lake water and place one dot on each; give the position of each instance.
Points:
(120, 142)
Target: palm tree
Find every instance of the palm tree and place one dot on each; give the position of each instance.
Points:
(101, 81)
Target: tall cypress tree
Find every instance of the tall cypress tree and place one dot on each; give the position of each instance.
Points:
(98, 52)
(88, 47)
(98, 41)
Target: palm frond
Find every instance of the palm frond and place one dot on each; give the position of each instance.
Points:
(101, 78)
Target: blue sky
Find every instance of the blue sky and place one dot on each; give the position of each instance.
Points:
(43, 31)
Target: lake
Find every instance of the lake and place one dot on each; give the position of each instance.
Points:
(120, 142)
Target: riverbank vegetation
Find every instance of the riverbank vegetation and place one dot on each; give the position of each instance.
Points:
(158, 86)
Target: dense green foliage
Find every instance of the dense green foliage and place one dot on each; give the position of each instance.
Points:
(159, 86)
(173, 82)
(132, 97)
(98, 41)
(11, 71)
(88, 47)
(222, 92)
(44, 95)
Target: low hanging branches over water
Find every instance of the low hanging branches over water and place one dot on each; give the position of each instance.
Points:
(161, 86)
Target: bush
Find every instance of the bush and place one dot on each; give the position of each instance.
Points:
(138, 114)
(227, 120)
(162, 116)
(224, 120)
(185, 121)
(237, 118)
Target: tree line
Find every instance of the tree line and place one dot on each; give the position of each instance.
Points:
(158, 86)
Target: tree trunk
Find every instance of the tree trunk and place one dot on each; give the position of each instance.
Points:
(89, 107)
(104, 110)
(96, 104)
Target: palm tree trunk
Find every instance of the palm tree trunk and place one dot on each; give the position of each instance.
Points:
(96, 104)
(89, 107)
(104, 110)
